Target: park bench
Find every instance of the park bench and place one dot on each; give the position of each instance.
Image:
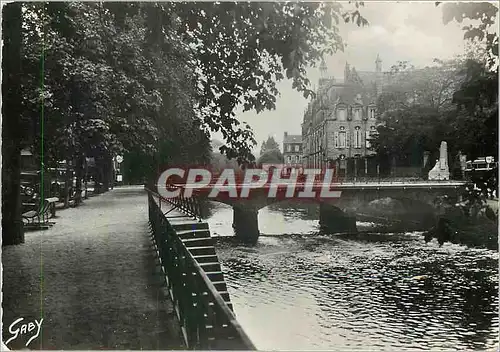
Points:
(39, 218)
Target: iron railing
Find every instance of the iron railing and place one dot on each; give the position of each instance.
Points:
(191, 206)
(206, 320)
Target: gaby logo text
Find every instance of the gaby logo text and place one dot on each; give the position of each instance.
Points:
(308, 183)
(17, 329)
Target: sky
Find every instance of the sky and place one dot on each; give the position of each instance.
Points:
(398, 31)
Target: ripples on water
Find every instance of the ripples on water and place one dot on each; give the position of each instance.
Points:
(305, 290)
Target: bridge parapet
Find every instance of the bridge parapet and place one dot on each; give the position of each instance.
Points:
(335, 192)
(337, 210)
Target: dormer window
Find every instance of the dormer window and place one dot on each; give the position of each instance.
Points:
(371, 113)
(357, 113)
(342, 114)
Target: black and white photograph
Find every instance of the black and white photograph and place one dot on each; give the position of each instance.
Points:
(249, 175)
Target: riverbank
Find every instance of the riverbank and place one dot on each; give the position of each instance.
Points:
(480, 230)
(479, 233)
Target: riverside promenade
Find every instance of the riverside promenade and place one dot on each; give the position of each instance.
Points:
(93, 278)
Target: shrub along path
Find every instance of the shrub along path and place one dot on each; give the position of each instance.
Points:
(93, 279)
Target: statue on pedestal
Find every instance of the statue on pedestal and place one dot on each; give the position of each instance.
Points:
(441, 171)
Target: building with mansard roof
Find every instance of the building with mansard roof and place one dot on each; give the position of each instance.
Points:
(338, 123)
(292, 149)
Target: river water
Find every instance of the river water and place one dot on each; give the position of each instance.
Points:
(298, 289)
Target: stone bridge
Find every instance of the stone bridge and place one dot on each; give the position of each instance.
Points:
(338, 210)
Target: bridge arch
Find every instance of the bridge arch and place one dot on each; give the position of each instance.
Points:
(410, 213)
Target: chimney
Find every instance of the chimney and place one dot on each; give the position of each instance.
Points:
(286, 134)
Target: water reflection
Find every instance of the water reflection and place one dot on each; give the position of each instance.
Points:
(371, 291)
(300, 219)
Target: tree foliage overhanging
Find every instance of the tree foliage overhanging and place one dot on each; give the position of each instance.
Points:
(115, 75)
(150, 79)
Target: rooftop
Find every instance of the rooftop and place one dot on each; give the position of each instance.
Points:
(292, 138)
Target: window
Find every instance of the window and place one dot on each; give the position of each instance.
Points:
(289, 159)
(296, 147)
(341, 113)
(370, 134)
(342, 138)
(371, 113)
(357, 113)
(357, 137)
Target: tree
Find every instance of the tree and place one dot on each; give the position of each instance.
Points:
(476, 118)
(462, 110)
(12, 226)
(123, 88)
(154, 78)
(236, 62)
(242, 50)
(268, 145)
(415, 110)
(432, 87)
(219, 162)
(407, 133)
(272, 156)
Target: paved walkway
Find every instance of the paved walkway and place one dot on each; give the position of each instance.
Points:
(93, 279)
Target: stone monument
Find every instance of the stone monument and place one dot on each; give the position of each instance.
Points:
(441, 171)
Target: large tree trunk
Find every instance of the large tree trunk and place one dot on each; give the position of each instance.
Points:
(12, 226)
(102, 172)
(67, 185)
(79, 175)
(106, 177)
(85, 177)
(112, 173)
(106, 168)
